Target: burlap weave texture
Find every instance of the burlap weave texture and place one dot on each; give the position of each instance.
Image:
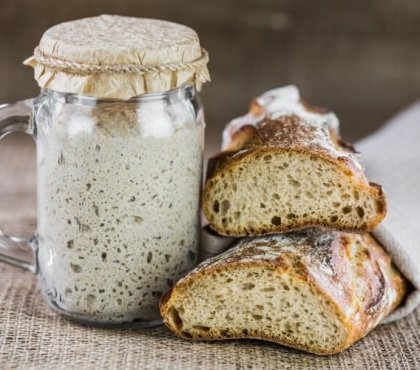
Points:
(33, 336)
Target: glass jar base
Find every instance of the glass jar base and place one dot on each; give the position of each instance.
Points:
(109, 325)
(137, 323)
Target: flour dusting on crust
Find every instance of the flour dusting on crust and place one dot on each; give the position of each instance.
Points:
(273, 104)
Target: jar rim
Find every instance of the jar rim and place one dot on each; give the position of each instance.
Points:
(185, 91)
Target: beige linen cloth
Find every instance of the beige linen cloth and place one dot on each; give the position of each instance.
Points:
(32, 336)
(392, 158)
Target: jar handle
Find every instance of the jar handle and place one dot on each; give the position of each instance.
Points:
(18, 251)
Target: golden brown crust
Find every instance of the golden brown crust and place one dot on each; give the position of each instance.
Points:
(352, 272)
(241, 137)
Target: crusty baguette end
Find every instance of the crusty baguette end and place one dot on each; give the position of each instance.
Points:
(318, 291)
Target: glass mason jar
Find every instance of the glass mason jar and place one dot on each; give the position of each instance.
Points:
(119, 186)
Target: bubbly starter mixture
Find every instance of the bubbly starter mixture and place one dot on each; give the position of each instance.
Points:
(118, 200)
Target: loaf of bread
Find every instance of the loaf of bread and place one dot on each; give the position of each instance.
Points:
(289, 171)
(315, 290)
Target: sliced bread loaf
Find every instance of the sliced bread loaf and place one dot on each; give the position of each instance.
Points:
(290, 174)
(318, 291)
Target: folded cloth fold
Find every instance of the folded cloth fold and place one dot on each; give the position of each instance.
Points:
(213, 244)
(391, 156)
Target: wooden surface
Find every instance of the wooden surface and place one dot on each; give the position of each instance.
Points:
(360, 58)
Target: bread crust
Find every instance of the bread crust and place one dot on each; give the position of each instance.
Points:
(352, 272)
(237, 130)
(291, 134)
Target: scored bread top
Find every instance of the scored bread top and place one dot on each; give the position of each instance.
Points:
(284, 101)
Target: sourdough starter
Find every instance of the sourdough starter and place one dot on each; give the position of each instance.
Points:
(118, 197)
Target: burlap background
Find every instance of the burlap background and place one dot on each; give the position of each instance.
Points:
(32, 336)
